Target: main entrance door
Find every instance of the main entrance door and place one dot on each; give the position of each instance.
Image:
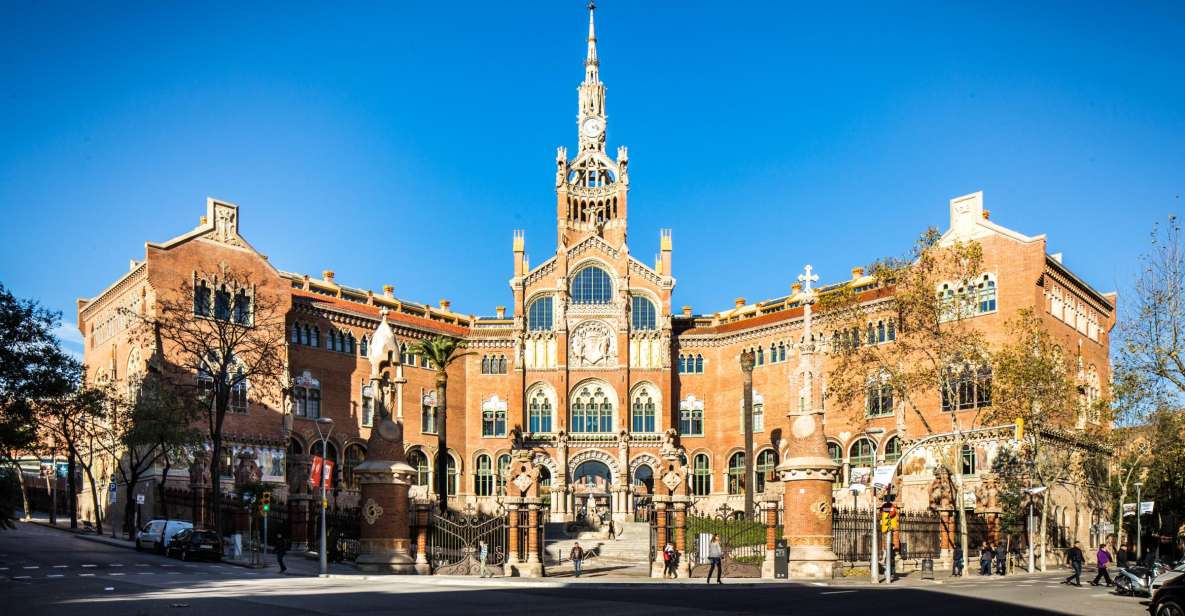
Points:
(590, 491)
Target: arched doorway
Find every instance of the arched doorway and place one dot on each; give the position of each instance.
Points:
(643, 482)
(590, 490)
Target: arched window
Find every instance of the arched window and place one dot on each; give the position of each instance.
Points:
(500, 473)
(483, 484)
(417, 460)
(760, 356)
(892, 330)
(331, 340)
(835, 452)
(862, 453)
(682, 363)
(355, 454)
(985, 292)
(699, 364)
(871, 333)
(316, 340)
(242, 308)
(501, 364)
(539, 315)
(238, 390)
(451, 469)
(736, 473)
(367, 405)
(781, 351)
(701, 475)
(295, 448)
(544, 485)
(766, 462)
(201, 299)
(592, 285)
(295, 337)
(222, 304)
(428, 413)
(691, 417)
(893, 450)
(878, 394)
(592, 410)
(880, 331)
(364, 347)
(353, 344)
(642, 412)
(485, 364)
(967, 387)
(643, 315)
(493, 417)
(307, 396)
(643, 480)
(306, 335)
(539, 412)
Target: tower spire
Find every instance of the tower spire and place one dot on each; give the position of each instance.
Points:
(591, 59)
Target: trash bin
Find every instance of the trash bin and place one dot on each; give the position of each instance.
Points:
(927, 568)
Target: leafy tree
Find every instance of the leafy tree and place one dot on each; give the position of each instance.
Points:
(1151, 361)
(68, 420)
(1032, 382)
(218, 345)
(935, 341)
(442, 351)
(1165, 481)
(33, 368)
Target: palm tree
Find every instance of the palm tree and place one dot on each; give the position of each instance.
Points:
(441, 351)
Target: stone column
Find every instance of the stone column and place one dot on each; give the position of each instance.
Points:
(769, 507)
(680, 503)
(532, 568)
(512, 505)
(660, 519)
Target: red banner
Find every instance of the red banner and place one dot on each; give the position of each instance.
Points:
(315, 473)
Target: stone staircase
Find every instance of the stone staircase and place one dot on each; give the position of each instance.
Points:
(627, 555)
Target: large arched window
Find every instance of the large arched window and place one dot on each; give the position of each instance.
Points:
(592, 409)
(540, 315)
(355, 454)
(201, 299)
(417, 460)
(643, 314)
(736, 473)
(451, 469)
(493, 417)
(592, 285)
(483, 484)
(642, 412)
(643, 480)
(701, 475)
(862, 453)
(500, 473)
(544, 484)
(539, 412)
(985, 294)
(764, 471)
(878, 395)
(691, 417)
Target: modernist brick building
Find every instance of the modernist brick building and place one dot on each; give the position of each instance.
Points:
(591, 363)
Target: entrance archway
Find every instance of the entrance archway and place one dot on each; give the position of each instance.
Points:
(590, 489)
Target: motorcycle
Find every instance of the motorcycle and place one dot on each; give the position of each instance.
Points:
(1137, 580)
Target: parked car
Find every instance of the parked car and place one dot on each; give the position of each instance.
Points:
(158, 533)
(195, 543)
(1169, 598)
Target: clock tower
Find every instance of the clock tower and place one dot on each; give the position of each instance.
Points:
(591, 188)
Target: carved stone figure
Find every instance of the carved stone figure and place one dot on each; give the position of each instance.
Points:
(593, 344)
(669, 448)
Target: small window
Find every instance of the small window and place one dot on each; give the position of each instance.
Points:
(968, 465)
(736, 473)
(691, 417)
(701, 475)
(484, 476)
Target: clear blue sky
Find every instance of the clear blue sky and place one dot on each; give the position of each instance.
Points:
(401, 142)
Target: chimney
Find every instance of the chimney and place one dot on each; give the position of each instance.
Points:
(328, 276)
(857, 272)
(687, 311)
(796, 288)
(388, 290)
(444, 304)
(519, 245)
(740, 301)
(501, 310)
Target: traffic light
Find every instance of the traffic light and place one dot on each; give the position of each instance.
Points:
(267, 501)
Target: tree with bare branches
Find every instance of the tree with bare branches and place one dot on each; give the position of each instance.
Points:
(928, 298)
(1151, 358)
(441, 351)
(222, 341)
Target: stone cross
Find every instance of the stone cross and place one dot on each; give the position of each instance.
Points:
(806, 278)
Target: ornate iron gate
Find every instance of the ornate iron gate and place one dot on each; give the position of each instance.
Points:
(453, 542)
(742, 541)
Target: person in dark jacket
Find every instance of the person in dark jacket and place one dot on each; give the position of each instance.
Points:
(958, 572)
(282, 546)
(985, 559)
(1001, 560)
(1074, 555)
(1122, 557)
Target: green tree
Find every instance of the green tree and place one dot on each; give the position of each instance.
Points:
(33, 368)
(929, 297)
(441, 351)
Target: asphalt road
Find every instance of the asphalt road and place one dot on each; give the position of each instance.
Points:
(47, 571)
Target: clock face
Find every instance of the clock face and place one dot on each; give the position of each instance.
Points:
(592, 127)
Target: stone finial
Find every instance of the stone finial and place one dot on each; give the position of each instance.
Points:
(388, 290)
(501, 310)
(740, 301)
(687, 311)
(857, 272)
(327, 275)
(444, 304)
(796, 288)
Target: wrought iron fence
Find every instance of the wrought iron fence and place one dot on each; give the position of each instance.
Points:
(851, 534)
(742, 542)
(920, 534)
(454, 541)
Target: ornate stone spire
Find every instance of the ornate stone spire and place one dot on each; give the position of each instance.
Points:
(590, 62)
(591, 116)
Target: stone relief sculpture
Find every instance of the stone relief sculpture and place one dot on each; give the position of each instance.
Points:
(593, 344)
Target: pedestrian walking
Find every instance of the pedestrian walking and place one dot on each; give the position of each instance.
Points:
(1074, 555)
(282, 546)
(1103, 558)
(577, 556)
(1001, 560)
(958, 564)
(483, 552)
(1122, 557)
(612, 531)
(985, 559)
(666, 560)
(716, 557)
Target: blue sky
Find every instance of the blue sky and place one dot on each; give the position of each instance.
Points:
(402, 142)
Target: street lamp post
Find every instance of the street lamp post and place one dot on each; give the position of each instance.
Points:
(872, 505)
(1139, 533)
(326, 422)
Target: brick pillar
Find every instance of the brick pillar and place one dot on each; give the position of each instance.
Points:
(512, 505)
(769, 507)
(681, 533)
(533, 568)
(423, 567)
(660, 519)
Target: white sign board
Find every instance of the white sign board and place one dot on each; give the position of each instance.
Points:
(1146, 507)
(139, 499)
(883, 477)
(112, 494)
